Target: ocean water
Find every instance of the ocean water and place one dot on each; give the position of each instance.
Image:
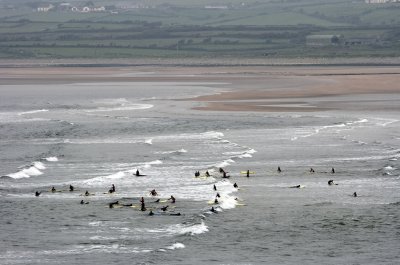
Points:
(93, 135)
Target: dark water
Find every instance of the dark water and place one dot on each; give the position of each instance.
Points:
(94, 135)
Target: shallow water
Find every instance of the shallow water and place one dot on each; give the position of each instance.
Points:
(94, 135)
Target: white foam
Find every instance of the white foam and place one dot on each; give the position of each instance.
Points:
(181, 229)
(26, 173)
(51, 159)
(122, 108)
(176, 246)
(225, 163)
(180, 151)
(149, 141)
(389, 168)
(39, 165)
(32, 112)
(155, 162)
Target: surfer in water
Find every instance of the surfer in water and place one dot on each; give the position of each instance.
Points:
(53, 189)
(224, 175)
(207, 174)
(83, 202)
(296, 187)
(37, 193)
(137, 172)
(218, 196)
(172, 198)
(215, 187)
(248, 173)
(333, 171)
(330, 182)
(355, 194)
(151, 213)
(153, 192)
(213, 210)
(312, 170)
(111, 204)
(112, 189)
(164, 208)
(142, 206)
(235, 185)
(87, 193)
(71, 188)
(279, 170)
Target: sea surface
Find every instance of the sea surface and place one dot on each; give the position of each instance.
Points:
(93, 135)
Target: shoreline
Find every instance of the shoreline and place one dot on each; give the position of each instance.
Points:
(202, 62)
(246, 88)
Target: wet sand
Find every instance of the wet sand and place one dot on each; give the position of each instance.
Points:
(242, 88)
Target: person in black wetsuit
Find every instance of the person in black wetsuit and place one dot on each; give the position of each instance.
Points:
(248, 173)
(213, 210)
(151, 213)
(218, 196)
(137, 172)
(215, 187)
(153, 192)
(279, 170)
(235, 185)
(71, 188)
(207, 174)
(172, 198)
(355, 194)
(333, 171)
(164, 208)
(37, 193)
(53, 189)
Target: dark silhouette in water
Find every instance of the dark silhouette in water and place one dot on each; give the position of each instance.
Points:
(53, 189)
(213, 210)
(37, 193)
(71, 188)
(297, 186)
(112, 190)
(312, 170)
(235, 185)
(151, 213)
(153, 192)
(215, 187)
(279, 170)
(164, 208)
(172, 198)
(248, 173)
(333, 171)
(355, 194)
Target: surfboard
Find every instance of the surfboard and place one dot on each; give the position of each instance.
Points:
(241, 204)
(140, 175)
(163, 201)
(245, 172)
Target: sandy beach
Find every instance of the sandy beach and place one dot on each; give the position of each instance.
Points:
(244, 88)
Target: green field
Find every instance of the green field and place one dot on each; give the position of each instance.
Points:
(177, 28)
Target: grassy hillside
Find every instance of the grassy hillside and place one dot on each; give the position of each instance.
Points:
(178, 28)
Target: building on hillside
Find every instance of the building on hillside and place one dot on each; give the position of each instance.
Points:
(216, 7)
(45, 8)
(381, 1)
(362, 41)
(323, 40)
(87, 9)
